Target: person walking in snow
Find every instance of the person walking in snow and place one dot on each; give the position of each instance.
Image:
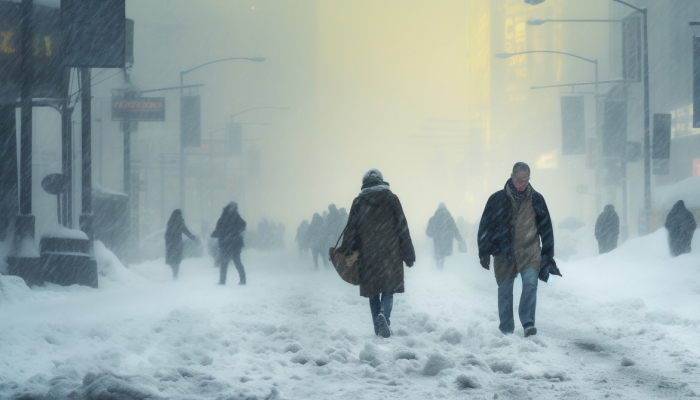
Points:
(334, 224)
(318, 242)
(302, 239)
(443, 230)
(173, 240)
(607, 229)
(681, 226)
(229, 230)
(514, 222)
(377, 228)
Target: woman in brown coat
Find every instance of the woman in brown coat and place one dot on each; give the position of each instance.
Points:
(377, 228)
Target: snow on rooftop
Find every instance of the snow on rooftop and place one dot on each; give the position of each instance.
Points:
(58, 231)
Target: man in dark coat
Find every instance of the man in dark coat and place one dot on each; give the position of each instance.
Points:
(229, 231)
(514, 222)
(443, 230)
(607, 229)
(681, 226)
(318, 242)
(173, 240)
(377, 228)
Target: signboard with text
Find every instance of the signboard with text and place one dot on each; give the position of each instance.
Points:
(138, 109)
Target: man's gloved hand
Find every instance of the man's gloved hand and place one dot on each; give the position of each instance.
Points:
(409, 264)
(548, 267)
(485, 261)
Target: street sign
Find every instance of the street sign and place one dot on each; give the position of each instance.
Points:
(47, 73)
(696, 82)
(661, 148)
(190, 121)
(138, 109)
(93, 33)
(632, 47)
(55, 183)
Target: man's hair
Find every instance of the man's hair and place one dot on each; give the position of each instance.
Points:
(521, 166)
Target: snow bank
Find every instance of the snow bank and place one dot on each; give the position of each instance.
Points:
(614, 326)
(110, 270)
(688, 190)
(13, 289)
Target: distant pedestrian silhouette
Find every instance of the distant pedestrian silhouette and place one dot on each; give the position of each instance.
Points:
(173, 240)
(229, 230)
(443, 230)
(681, 227)
(607, 229)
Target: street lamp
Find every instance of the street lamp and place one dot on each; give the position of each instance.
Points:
(258, 108)
(594, 62)
(536, 22)
(647, 133)
(182, 149)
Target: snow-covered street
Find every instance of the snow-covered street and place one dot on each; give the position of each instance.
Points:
(623, 325)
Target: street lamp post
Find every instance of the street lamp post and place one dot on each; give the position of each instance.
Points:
(592, 61)
(536, 22)
(647, 133)
(596, 82)
(182, 148)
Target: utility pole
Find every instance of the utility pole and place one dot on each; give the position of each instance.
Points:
(86, 156)
(67, 153)
(126, 124)
(25, 221)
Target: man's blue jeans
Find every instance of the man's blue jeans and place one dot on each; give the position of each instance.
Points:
(381, 303)
(528, 301)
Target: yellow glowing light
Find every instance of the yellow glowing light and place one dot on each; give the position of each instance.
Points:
(5, 42)
(547, 161)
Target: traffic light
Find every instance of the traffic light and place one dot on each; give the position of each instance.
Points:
(234, 140)
(696, 82)
(661, 149)
(190, 121)
(615, 129)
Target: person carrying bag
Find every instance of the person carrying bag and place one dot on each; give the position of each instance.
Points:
(345, 262)
(377, 230)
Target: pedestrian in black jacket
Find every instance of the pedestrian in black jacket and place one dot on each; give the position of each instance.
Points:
(173, 240)
(607, 229)
(515, 221)
(377, 228)
(229, 231)
(681, 226)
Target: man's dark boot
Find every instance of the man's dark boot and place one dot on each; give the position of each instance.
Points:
(383, 326)
(530, 329)
(242, 282)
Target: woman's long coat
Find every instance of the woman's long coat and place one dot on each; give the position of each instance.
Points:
(377, 228)
(173, 240)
